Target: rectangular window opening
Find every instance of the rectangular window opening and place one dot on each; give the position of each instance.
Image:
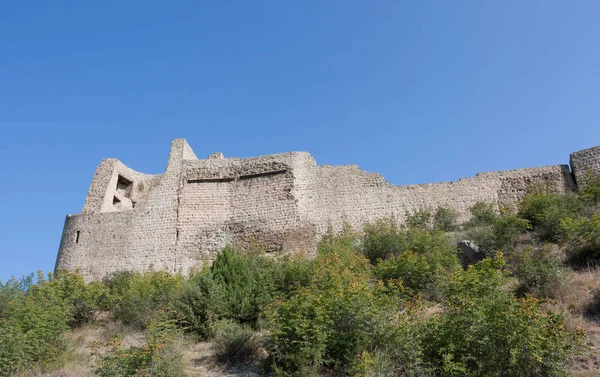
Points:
(123, 183)
(77, 237)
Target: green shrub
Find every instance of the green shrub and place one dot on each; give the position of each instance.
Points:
(32, 325)
(546, 210)
(590, 194)
(506, 231)
(243, 293)
(159, 357)
(413, 269)
(540, 272)
(383, 239)
(445, 218)
(201, 304)
(346, 239)
(235, 343)
(485, 331)
(295, 272)
(298, 328)
(420, 219)
(502, 234)
(396, 346)
(83, 300)
(482, 214)
(328, 323)
(134, 297)
(428, 262)
(583, 239)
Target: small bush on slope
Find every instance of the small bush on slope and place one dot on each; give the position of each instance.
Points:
(134, 296)
(546, 210)
(590, 195)
(246, 290)
(235, 343)
(201, 303)
(35, 314)
(325, 324)
(159, 357)
(482, 214)
(485, 331)
(429, 261)
(383, 239)
(540, 272)
(445, 218)
(583, 240)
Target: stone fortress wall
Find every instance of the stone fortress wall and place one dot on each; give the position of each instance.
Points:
(181, 219)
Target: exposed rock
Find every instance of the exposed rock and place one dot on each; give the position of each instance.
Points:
(471, 253)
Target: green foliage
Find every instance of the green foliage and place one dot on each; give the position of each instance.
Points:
(246, 290)
(482, 214)
(298, 328)
(583, 239)
(396, 346)
(501, 233)
(445, 218)
(134, 297)
(32, 325)
(83, 300)
(159, 357)
(292, 273)
(235, 343)
(485, 331)
(546, 210)
(383, 239)
(540, 272)
(506, 232)
(428, 262)
(231, 272)
(590, 194)
(420, 219)
(201, 303)
(346, 239)
(326, 324)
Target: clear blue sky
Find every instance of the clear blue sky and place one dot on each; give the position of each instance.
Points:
(419, 91)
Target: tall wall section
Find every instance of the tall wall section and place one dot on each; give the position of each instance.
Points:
(240, 202)
(346, 194)
(585, 165)
(181, 219)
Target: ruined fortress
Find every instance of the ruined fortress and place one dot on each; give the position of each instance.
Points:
(181, 218)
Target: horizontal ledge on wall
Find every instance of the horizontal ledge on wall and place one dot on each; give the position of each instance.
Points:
(229, 179)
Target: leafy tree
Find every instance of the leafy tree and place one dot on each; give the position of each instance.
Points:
(445, 218)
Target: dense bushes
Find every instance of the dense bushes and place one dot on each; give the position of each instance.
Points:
(327, 323)
(546, 210)
(386, 300)
(428, 260)
(134, 297)
(35, 314)
(485, 331)
(201, 304)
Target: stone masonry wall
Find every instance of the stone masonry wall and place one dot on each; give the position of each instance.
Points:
(346, 194)
(181, 219)
(585, 164)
